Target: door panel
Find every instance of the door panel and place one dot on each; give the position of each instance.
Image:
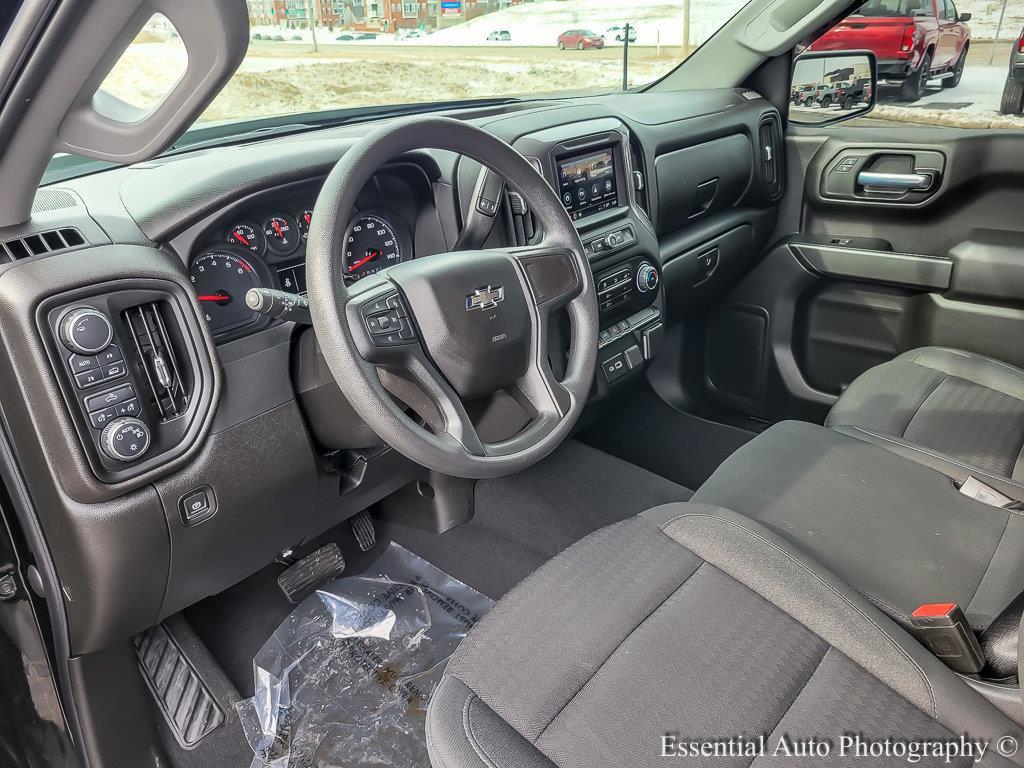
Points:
(852, 282)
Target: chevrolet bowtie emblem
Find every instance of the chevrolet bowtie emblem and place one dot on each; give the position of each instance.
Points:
(485, 298)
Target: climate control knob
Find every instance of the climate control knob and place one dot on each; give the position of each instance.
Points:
(86, 331)
(646, 278)
(125, 439)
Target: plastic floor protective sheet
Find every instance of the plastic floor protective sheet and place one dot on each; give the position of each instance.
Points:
(346, 679)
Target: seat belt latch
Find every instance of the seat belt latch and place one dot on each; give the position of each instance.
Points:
(944, 630)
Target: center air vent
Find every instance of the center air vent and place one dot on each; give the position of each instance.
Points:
(769, 147)
(42, 242)
(155, 337)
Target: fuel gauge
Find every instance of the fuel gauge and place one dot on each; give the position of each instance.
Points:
(304, 219)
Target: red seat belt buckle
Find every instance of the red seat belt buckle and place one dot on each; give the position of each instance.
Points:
(944, 630)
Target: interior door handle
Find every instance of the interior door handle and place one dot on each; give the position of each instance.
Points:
(903, 182)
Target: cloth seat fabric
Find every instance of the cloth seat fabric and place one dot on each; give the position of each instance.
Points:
(698, 623)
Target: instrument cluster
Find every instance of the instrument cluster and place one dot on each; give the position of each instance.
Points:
(265, 248)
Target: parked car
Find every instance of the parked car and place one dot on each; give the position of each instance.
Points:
(809, 95)
(277, 38)
(619, 33)
(580, 39)
(345, 37)
(500, 36)
(296, 37)
(914, 41)
(849, 94)
(366, 36)
(1012, 102)
(257, 36)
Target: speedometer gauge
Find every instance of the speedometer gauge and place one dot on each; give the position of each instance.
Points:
(221, 277)
(371, 245)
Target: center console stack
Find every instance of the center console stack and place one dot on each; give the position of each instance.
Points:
(590, 165)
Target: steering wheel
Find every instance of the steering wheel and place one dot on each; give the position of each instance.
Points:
(453, 327)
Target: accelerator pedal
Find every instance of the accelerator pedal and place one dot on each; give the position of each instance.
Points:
(319, 567)
(362, 527)
(184, 700)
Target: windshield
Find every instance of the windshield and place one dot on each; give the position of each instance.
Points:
(317, 56)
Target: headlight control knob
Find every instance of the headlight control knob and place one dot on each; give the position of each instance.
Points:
(646, 278)
(125, 439)
(86, 331)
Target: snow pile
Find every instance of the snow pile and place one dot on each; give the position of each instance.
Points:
(985, 18)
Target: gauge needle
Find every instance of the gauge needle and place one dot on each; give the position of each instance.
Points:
(221, 297)
(368, 257)
(241, 238)
(277, 228)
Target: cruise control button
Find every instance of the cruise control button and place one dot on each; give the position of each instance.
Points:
(81, 363)
(88, 379)
(394, 301)
(113, 397)
(99, 419)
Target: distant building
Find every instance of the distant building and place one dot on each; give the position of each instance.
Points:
(376, 15)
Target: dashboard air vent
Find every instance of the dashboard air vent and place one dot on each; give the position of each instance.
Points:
(520, 218)
(154, 353)
(769, 134)
(42, 242)
(639, 179)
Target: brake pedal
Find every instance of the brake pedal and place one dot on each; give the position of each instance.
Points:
(323, 565)
(362, 527)
(186, 703)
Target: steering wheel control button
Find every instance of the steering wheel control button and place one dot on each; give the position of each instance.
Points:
(196, 506)
(86, 331)
(615, 368)
(125, 439)
(106, 399)
(387, 321)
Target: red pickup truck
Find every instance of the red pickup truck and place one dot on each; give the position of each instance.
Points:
(914, 41)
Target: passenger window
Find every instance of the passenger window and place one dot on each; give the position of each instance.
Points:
(149, 68)
(967, 72)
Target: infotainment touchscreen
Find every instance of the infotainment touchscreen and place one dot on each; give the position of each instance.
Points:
(588, 183)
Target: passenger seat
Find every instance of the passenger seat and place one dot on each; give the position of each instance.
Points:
(959, 413)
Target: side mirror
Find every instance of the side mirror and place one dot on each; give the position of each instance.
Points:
(831, 86)
(964, 17)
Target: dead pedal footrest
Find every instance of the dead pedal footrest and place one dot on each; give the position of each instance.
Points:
(184, 700)
(323, 565)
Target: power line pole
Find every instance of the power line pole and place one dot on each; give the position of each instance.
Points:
(999, 28)
(686, 28)
(311, 11)
(625, 57)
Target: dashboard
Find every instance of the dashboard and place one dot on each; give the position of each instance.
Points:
(230, 435)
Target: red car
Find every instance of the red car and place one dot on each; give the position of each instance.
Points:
(914, 41)
(580, 39)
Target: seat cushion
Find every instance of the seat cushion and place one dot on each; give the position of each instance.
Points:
(897, 531)
(695, 623)
(951, 409)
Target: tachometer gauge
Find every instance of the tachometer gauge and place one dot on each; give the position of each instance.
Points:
(304, 219)
(282, 234)
(371, 245)
(221, 277)
(247, 235)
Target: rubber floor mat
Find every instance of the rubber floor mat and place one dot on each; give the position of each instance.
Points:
(346, 679)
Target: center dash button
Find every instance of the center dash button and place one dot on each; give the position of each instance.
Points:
(196, 506)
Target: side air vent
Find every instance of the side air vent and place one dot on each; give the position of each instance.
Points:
(520, 219)
(155, 354)
(41, 243)
(769, 134)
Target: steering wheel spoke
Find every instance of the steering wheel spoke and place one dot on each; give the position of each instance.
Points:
(551, 274)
